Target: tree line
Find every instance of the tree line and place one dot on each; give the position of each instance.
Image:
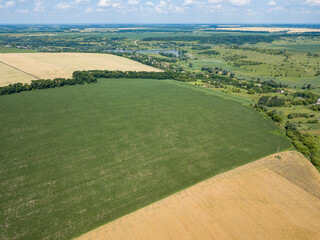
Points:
(82, 77)
(78, 77)
(133, 74)
(219, 39)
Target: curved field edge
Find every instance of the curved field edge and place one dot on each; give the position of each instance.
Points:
(271, 198)
(78, 157)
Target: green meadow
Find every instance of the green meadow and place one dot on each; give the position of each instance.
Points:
(15, 50)
(74, 158)
(294, 68)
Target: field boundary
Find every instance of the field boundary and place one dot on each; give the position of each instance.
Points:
(20, 70)
(201, 195)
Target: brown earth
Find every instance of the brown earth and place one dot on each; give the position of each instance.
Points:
(54, 65)
(277, 197)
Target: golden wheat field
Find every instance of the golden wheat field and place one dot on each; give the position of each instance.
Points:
(277, 197)
(270, 29)
(11, 75)
(53, 65)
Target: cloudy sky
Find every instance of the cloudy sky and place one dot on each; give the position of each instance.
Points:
(159, 11)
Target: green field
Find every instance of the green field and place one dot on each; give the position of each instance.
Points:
(74, 158)
(15, 50)
(295, 68)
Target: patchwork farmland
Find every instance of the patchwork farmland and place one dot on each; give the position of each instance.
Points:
(24, 67)
(165, 150)
(77, 157)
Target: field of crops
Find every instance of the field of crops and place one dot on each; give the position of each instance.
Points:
(286, 184)
(55, 65)
(12, 75)
(77, 157)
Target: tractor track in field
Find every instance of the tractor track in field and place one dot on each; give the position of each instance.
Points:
(20, 70)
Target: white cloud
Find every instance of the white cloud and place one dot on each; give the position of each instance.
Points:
(276, 9)
(109, 3)
(80, 1)
(214, 1)
(175, 8)
(116, 5)
(215, 8)
(105, 3)
(178, 9)
(188, 2)
(161, 7)
(272, 3)
(63, 5)
(150, 3)
(133, 2)
(9, 4)
(23, 11)
(166, 6)
(313, 2)
(89, 10)
(68, 5)
(38, 6)
(240, 2)
(163, 4)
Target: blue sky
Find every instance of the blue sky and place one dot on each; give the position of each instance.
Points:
(159, 11)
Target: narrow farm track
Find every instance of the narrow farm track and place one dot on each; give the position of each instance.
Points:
(19, 70)
(277, 197)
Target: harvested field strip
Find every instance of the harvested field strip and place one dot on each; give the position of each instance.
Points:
(277, 197)
(55, 65)
(8, 75)
(20, 70)
(271, 29)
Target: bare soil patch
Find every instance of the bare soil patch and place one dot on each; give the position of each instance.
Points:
(277, 197)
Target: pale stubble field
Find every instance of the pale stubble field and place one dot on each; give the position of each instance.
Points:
(24, 67)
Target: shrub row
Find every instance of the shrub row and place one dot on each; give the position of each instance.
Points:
(79, 77)
(299, 115)
(271, 101)
(132, 74)
(304, 142)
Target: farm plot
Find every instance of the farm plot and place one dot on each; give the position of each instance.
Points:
(54, 65)
(271, 29)
(12, 75)
(75, 158)
(277, 197)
